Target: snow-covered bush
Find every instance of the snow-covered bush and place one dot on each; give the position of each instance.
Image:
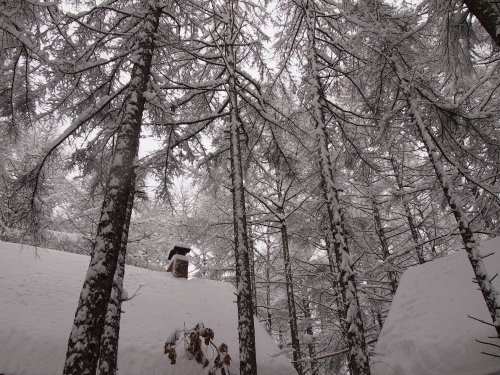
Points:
(196, 348)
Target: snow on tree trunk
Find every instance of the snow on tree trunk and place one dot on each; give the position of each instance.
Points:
(108, 356)
(482, 278)
(358, 358)
(246, 329)
(84, 341)
(339, 296)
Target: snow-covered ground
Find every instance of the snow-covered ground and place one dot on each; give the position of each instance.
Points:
(38, 298)
(428, 332)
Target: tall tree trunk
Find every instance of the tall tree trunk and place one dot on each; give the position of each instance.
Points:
(246, 329)
(409, 217)
(482, 278)
(292, 313)
(108, 357)
(252, 268)
(84, 341)
(269, 317)
(358, 357)
(290, 295)
(311, 347)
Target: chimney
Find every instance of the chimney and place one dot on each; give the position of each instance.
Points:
(179, 261)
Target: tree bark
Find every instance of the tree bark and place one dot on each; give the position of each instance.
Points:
(358, 357)
(269, 317)
(289, 284)
(292, 313)
(252, 268)
(84, 341)
(246, 329)
(108, 358)
(311, 347)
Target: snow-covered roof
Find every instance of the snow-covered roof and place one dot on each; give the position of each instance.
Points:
(39, 295)
(428, 332)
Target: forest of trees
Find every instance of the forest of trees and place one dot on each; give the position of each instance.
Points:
(309, 150)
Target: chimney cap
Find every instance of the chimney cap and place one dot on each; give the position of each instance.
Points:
(180, 249)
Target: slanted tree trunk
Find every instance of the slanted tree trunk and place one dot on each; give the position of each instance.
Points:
(108, 357)
(358, 357)
(488, 14)
(334, 270)
(246, 329)
(84, 341)
(490, 294)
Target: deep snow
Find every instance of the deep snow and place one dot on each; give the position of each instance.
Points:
(39, 295)
(428, 332)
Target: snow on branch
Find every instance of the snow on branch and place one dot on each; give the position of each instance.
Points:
(84, 117)
(24, 40)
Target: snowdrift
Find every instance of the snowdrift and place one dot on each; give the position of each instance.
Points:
(39, 291)
(428, 331)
